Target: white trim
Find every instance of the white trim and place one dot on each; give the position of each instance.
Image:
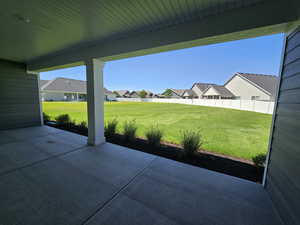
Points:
(95, 101)
(274, 112)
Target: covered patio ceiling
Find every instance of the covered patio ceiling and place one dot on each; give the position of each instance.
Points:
(49, 34)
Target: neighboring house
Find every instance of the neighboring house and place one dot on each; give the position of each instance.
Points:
(158, 96)
(123, 93)
(253, 86)
(134, 94)
(65, 89)
(109, 95)
(217, 92)
(176, 93)
(189, 93)
(149, 94)
(200, 88)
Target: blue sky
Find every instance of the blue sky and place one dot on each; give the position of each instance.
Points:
(181, 68)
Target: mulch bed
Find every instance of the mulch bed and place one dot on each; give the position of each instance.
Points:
(228, 165)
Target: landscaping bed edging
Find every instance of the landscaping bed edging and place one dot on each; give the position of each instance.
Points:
(211, 161)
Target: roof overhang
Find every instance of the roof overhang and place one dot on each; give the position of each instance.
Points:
(267, 17)
(220, 22)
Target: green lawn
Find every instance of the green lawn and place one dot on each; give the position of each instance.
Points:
(231, 132)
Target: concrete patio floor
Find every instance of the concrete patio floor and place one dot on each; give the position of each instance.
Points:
(49, 176)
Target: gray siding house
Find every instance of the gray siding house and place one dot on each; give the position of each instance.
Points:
(65, 89)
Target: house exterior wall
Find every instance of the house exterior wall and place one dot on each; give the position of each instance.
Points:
(111, 97)
(197, 91)
(134, 95)
(60, 96)
(282, 180)
(174, 95)
(19, 96)
(187, 96)
(211, 91)
(53, 96)
(243, 89)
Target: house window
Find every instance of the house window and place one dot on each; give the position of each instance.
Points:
(254, 97)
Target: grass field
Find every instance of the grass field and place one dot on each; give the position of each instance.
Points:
(231, 132)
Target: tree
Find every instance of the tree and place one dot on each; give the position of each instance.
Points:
(168, 92)
(142, 94)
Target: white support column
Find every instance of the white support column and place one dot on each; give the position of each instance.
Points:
(40, 99)
(95, 101)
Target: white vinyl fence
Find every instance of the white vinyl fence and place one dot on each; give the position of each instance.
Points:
(248, 105)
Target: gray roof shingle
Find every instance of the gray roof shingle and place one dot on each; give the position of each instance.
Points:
(179, 92)
(123, 92)
(43, 82)
(223, 91)
(203, 86)
(266, 82)
(190, 93)
(66, 85)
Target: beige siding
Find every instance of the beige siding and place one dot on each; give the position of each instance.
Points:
(243, 89)
(283, 181)
(197, 91)
(19, 96)
(211, 91)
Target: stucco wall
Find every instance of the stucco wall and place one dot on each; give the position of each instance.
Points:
(243, 89)
(19, 96)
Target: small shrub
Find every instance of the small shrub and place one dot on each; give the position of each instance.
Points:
(46, 117)
(129, 132)
(154, 136)
(191, 142)
(63, 119)
(110, 128)
(72, 124)
(82, 124)
(82, 127)
(259, 160)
